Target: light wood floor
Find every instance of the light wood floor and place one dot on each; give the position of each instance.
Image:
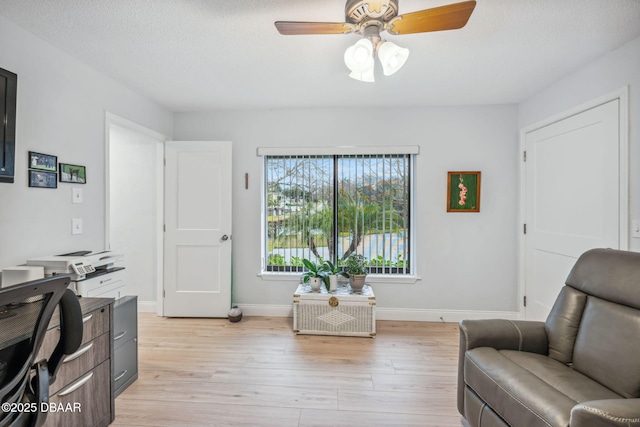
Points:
(210, 372)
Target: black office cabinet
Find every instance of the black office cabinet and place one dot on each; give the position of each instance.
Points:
(125, 337)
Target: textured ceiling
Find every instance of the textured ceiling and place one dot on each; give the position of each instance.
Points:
(191, 55)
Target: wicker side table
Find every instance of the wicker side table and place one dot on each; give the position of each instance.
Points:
(341, 312)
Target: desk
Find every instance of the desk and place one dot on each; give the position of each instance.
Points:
(341, 312)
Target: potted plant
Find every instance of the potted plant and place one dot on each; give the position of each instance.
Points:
(315, 275)
(356, 270)
(332, 271)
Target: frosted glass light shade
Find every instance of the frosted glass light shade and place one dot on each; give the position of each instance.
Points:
(359, 58)
(367, 76)
(392, 57)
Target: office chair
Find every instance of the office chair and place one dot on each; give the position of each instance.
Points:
(25, 312)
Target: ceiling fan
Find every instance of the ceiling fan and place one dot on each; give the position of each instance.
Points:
(371, 17)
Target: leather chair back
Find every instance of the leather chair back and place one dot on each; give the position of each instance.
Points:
(595, 322)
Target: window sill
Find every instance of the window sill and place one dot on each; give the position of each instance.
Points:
(280, 277)
(371, 278)
(391, 278)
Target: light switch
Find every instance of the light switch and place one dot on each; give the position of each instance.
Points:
(76, 225)
(77, 195)
(635, 228)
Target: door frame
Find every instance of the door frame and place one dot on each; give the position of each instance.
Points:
(622, 95)
(115, 120)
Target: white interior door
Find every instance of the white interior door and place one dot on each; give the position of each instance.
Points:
(572, 202)
(198, 229)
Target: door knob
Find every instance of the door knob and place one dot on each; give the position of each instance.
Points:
(225, 238)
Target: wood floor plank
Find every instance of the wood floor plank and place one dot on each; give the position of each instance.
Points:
(431, 366)
(313, 418)
(425, 403)
(294, 378)
(419, 383)
(361, 363)
(236, 394)
(154, 413)
(211, 372)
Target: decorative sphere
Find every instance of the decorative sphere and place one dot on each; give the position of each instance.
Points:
(235, 314)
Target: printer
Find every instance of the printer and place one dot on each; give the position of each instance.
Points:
(92, 274)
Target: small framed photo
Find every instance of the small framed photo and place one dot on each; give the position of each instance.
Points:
(45, 162)
(463, 192)
(73, 173)
(43, 179)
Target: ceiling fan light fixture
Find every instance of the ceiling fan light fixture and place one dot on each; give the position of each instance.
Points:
(392, 57)
(359, 57)
(371, 17)
(367, 76)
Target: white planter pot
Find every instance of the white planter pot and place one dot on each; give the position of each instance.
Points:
(315, 283)
(333, 282)
(356, 281)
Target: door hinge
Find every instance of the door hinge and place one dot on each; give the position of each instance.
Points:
(164, 161)
(525, 300)
(164, 294)
(164, 227)
(524, 228)
(524, 156)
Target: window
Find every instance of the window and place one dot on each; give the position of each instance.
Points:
(327, 207)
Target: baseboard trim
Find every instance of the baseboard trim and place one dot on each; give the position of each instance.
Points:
(434, 315)
(263, 310)
(404, 314)
(147, 307)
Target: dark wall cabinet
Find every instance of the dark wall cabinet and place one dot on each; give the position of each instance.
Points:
(8, 97)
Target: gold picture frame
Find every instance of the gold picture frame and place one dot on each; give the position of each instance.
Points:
(463, 191)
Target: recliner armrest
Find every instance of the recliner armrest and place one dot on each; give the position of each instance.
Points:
(500, 334)
(503, 334)
(606, 413)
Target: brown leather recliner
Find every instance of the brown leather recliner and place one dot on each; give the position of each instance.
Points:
(579, 368)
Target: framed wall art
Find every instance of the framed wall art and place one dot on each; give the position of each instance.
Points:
(42, 179)
(45, 162)
(73, 173)
(463, 192)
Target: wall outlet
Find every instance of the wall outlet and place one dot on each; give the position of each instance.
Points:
(635, 228)
(76, 225)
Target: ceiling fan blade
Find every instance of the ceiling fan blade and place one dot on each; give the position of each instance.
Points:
(450, 17)
(289, 28)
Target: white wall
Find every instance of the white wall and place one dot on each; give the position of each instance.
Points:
(617, 69)
(466, 261)
(135, 207)
(61, 111)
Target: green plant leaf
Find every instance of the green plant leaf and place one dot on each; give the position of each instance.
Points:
(310, 266)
